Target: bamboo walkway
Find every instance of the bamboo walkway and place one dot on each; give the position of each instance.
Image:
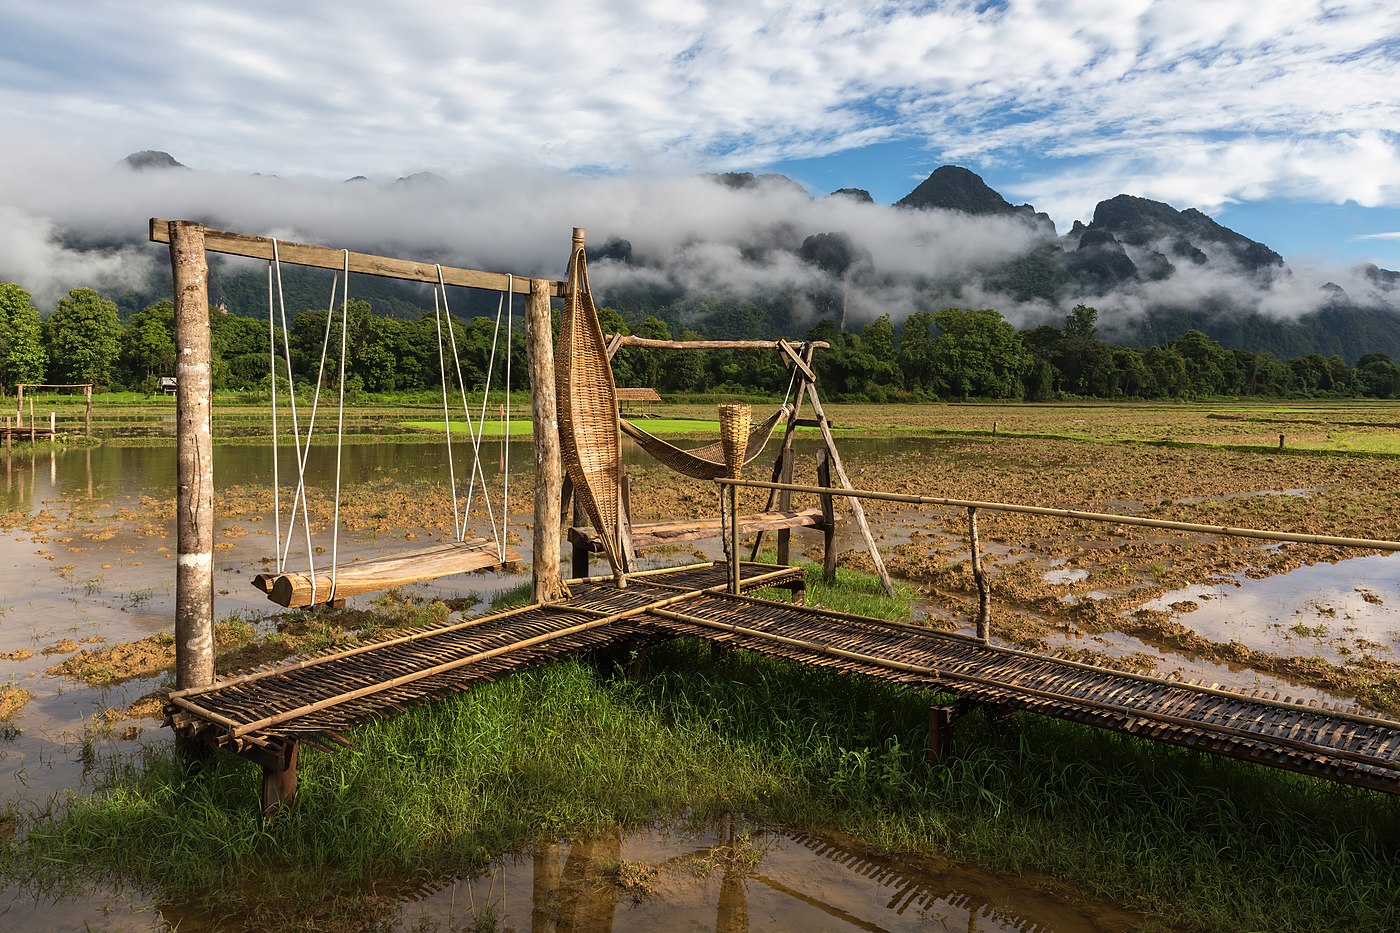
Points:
(262, 715)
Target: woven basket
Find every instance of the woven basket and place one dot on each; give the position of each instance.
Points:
(735, 420)
(590, 442)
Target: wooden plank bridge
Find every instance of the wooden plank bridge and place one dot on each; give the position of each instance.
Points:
(263, 715)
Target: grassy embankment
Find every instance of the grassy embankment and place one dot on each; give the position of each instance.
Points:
(1193, 842)
(1340, 426)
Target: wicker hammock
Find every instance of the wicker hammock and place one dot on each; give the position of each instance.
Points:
(588, 418)
(706, 463)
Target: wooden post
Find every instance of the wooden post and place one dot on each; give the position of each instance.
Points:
(31, 420)
(53, 425)
(546, 582)
(940, 734)
(1280, 442)
(857, 510)
(785, 504)
(984, 590)
(734, 570)
(87, 411)
(828, 518)
(9, 437)
(194, 504)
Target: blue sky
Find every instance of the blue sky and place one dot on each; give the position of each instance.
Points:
(1279, 118)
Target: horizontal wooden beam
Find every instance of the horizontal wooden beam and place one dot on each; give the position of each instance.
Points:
(648, 534)
(322, 257)
(1373, 544)
(632, 340)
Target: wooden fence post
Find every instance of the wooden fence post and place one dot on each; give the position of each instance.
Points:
(87, 412)
(984, 589)
(547, 584)
(194, 504)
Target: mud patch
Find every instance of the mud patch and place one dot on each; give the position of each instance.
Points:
(104, 667)
(12, 700)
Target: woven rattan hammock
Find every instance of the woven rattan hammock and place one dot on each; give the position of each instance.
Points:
(591, 444)
(706, 462)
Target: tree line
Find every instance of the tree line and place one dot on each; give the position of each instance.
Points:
(950, 354)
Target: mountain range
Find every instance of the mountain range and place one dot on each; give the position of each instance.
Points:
(1152, 270)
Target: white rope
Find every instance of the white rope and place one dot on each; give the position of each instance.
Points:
(304, 449)
(296, 427)
(438, 297)
(476, 431)
(340, 425)
(272, 374)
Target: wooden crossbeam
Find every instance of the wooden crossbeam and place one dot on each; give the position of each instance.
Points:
(647, 534)
(321, 257)
(294, 590)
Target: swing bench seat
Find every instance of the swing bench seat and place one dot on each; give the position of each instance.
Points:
(294, 590)
(649, 534)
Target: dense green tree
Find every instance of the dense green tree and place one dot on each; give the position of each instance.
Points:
(83, 338)
(916, 340)
(978, 354)
(22, 354)
(148, 346)
(1377, 376)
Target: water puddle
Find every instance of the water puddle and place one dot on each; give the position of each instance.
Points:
(1337, 612)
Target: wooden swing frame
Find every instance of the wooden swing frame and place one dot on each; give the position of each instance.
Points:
(190, 243)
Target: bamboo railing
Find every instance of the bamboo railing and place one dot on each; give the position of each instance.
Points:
(983, 619)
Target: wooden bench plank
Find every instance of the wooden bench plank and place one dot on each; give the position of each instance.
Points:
(293, 590)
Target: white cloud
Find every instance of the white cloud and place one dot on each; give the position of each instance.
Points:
(1186, 91)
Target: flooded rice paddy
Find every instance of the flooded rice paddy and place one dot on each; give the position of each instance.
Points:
(87, 563)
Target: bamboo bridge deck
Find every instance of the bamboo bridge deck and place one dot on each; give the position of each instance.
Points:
(262, 715)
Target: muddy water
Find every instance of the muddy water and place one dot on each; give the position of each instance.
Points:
(727, 879)
(1333, 611)
(91, 561)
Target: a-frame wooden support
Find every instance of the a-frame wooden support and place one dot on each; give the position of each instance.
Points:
(798, 358)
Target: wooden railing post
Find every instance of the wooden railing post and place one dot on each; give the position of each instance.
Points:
(194, 504)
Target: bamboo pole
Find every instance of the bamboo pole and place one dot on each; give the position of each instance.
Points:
(194, 572)
(1373, 544)
(632, 340)
(546, 580)
(320, 257)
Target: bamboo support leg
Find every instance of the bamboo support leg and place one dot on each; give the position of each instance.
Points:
(940, 734)
(784, 505)
(279, 779)
(984, 589)
(828, 518)
(578, 564)
(857, 510)
(734, 586)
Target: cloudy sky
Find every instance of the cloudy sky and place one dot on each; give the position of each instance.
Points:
(1280, 117)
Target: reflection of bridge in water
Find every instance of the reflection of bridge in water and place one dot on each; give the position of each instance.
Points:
(787, 880)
